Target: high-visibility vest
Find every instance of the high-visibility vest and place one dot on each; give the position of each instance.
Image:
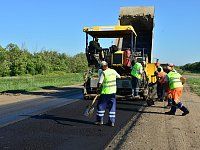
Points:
(174, 80)
(136, 70)
(109, 82)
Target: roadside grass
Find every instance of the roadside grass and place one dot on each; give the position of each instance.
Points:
(194, 83)
(37, 82)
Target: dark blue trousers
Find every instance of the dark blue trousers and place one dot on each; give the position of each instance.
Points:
(135, 86)
(106, 101)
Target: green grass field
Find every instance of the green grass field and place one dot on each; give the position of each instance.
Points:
(194, 82)
(37, 82)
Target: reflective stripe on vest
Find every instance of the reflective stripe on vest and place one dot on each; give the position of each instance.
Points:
(136, 70)
(174, 80)
(109, 82)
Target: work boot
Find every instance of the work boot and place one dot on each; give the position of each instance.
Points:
(172, 111)
(112, 124)
(99, 123)
(136, 96)
(185, 110)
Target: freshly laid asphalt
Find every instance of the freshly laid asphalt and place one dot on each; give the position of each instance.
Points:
(13, 112)
(66, 128)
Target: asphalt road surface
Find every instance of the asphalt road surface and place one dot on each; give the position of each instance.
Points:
(16, 111)
(63, 127)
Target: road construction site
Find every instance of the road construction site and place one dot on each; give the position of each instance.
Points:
(54, 117)
(55, 120)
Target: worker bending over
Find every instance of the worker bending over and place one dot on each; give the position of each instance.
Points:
(107, 89)
(136, 73)
(175, 81)
(161, 83)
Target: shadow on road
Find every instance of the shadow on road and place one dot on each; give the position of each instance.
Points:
(125, 102)
(138, 111)
(60, 120)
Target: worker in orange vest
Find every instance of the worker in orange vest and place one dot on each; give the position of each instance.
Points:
(175, 81)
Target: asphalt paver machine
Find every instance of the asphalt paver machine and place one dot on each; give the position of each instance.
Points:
(133, 40)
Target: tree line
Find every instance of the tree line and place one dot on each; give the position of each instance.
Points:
(192, 67)
(15, 61)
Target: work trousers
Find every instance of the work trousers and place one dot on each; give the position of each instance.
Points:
(106, 101)
(135, 86)
(161, 91)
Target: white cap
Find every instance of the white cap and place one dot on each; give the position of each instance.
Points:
(171, 65)
(104, 63)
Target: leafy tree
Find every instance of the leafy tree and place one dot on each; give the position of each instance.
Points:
(15, 61)
(192, 67)
(4, 63)
(79, 62)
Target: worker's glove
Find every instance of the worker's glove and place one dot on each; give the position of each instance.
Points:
(174, 103)
(183, 80)
(169, 96)
(99, 88)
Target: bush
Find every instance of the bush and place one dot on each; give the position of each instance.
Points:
(192, 67)
(15, 61)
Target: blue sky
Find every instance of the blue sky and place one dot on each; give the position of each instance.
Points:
(57, 25)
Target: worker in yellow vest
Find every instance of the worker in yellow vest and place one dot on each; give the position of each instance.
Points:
(108, 89)
(175, 82)
(136, 73)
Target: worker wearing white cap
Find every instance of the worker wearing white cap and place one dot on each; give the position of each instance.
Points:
(175, 82)
(107, 84)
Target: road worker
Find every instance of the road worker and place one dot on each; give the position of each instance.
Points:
(95, 52)
(175, 81)
(161, 83)
(107, 90)
(158, 66)
(136, 73)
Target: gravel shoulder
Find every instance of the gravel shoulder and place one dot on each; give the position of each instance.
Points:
(156, 131)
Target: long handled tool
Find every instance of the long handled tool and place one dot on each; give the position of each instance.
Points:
(90, 108)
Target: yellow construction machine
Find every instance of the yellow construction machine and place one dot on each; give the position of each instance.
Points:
(133, 40)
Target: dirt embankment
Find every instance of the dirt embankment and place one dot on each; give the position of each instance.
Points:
(157, 131)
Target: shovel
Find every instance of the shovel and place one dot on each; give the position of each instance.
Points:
(90, 108)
